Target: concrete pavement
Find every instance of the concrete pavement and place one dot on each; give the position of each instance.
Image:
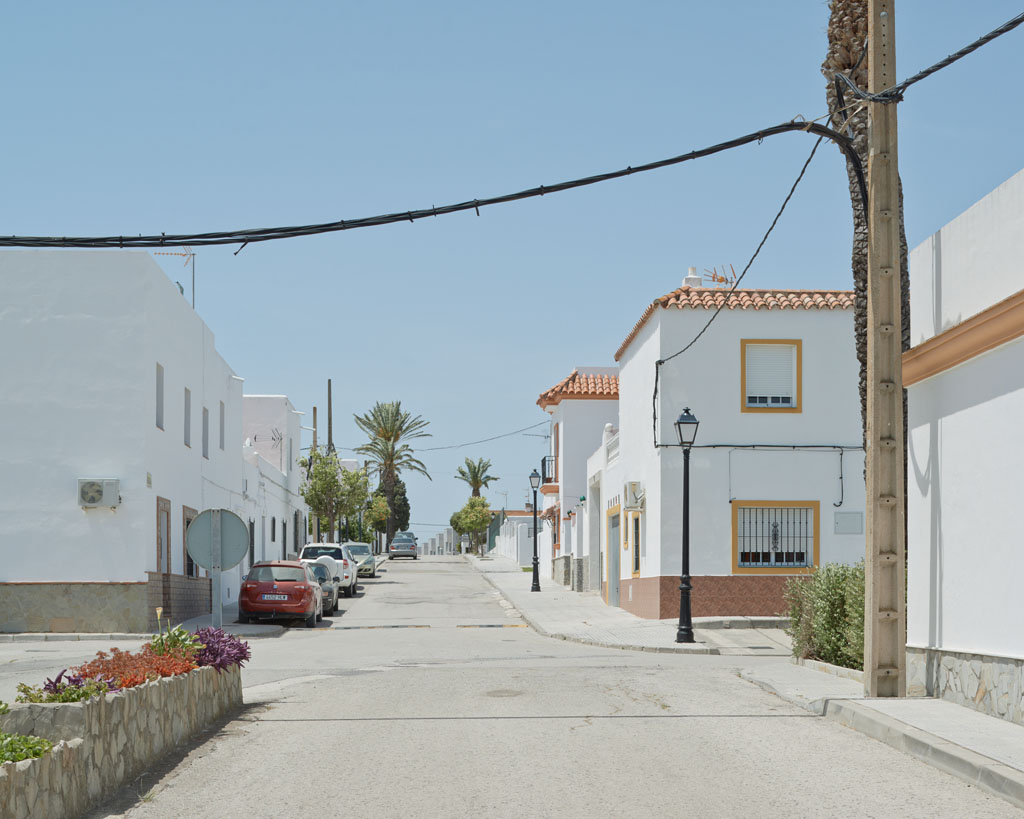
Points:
(558, 612)
(985, 751)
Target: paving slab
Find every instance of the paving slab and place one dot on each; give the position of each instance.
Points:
(583, 617)
(983, 750)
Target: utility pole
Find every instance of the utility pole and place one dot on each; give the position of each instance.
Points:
(330, 420)
(885, 612)
(312, 452)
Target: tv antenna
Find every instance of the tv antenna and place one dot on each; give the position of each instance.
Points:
(189, 257)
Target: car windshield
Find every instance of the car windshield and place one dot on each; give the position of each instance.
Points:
(316, 551)
(359, 550)
(277, 574)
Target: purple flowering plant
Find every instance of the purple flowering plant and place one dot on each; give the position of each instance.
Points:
(66, 688)
(220, 649)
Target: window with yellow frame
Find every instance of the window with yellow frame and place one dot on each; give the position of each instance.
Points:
(775, 537)
(771, 375)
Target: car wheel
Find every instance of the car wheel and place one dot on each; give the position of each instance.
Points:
(243, 619)
(311, 620)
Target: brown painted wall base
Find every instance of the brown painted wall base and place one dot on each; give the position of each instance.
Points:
(712, 596)
(72, 607)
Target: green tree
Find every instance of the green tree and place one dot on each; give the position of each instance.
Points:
(322, 489)
(389, 427)
(355, 492)
(377, 513)
(400, 512)
(472, 520)
(475, 474)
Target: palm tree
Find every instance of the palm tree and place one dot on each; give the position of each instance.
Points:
(475, 474)
(388, 427)
(847, 42)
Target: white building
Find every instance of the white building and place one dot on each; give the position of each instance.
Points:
(776, 476)
(124, 423)
(580, 405)
(965, 385)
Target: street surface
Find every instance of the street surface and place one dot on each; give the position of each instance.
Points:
(436, 716)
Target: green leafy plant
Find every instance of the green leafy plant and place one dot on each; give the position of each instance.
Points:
(72, 688)
(4, 708)
(16, 747)
(826, 614)
(177, 641)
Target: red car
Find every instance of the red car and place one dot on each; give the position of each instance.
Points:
(280, 590)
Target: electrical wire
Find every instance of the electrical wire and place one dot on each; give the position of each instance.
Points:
(895, 94)
(244, 237)
(725, 301)
(483, 440)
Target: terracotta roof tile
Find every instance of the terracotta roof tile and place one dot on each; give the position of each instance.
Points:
(581, 385)
(710, 298)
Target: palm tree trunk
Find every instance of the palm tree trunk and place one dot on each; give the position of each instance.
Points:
(847, 35)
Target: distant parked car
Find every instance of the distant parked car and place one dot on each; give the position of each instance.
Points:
(330, 584)
(280, 590)
(366, 561)
(403, 544)
(345, 560)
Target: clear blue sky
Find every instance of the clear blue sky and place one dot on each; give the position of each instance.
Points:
(141, 118)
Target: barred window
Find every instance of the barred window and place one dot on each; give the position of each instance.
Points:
(775, 537)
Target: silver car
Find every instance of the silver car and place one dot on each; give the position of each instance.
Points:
(403, 545)
(366, 560)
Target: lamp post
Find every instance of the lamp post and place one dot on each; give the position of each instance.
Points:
(686, 429)
(535, 483)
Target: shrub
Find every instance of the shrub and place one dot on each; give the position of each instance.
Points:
(220, 650)
(16, 747)
(177, 641)
(826, 612)
(130, 669)
(4, 708)
(73, 688)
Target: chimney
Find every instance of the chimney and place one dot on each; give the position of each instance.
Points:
(692, 279)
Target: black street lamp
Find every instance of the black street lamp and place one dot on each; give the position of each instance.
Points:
(686, 429)
(535, 483)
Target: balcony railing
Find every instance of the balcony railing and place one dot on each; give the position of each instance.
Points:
(549, 469)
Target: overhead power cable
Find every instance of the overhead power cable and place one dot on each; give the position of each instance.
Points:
(895, 94)
(482, 440)
(729, 293)
(243, 237)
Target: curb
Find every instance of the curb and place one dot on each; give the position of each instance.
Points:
(53, 637)
(585, 641)
(976, 769)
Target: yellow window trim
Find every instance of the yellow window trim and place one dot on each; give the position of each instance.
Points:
(815, 506)
(607, 546)
(793, 342)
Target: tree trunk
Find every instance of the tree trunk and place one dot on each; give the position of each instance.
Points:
(476, 492)
(847, 35)
(389, 495)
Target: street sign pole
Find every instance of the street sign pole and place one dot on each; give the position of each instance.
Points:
(217, 606)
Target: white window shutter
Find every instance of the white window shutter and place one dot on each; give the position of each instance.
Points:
(770, 371)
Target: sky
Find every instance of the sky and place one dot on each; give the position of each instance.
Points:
(188, 117)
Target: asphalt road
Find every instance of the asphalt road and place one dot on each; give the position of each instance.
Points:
(435, 716)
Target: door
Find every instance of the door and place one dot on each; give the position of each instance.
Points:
(613, 548)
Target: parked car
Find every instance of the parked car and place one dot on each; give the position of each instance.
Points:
(403, 544)
(330, 583)
(344, 559)
(366, 560)
(280, 590)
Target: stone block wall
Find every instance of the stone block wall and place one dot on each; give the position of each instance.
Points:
(181, 597)
(561, 569)
(992, 685)
(69, 607)
(108, 741)
(576, 579)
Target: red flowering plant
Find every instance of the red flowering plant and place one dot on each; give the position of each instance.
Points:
(130, 669)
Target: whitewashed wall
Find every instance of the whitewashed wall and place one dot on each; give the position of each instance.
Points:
(966, 442)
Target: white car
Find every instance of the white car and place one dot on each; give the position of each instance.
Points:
(347, 566)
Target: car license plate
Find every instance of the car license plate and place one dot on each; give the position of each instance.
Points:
(275, 597)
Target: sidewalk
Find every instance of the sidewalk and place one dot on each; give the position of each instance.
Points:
(582, 617)
(985, 751)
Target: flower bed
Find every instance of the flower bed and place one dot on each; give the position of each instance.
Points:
(110, 719)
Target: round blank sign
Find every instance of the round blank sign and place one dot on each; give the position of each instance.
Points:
(234, 539)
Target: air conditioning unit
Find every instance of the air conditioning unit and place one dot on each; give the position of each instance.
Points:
(633, 496)
(94, 493)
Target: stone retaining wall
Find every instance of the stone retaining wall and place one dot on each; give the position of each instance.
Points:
(992, 685)
(560, 568)
(108, 741)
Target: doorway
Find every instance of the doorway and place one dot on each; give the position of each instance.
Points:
(613, 548)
